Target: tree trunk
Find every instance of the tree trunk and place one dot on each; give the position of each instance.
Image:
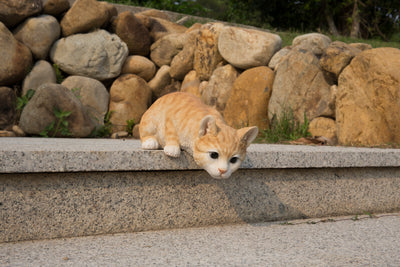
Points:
(355, 18)
(331, 24)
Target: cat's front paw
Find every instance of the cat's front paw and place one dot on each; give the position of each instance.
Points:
(172, 151)
(150, 144)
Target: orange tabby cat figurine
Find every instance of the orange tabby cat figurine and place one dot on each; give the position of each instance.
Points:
(181, 121)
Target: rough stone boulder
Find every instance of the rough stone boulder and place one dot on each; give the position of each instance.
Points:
(368, 99)
(337, 56)
(39, 112)
(278, 57)
(13, 12)
(133, 33)
(322, 126)
(206, 55)
(166, 48)
(300, 85)
(38, 34)
(160, 82)
(92, 94)
(247, 48)
(182, 63)
(139, 65)
(84, 16)
(55, 7)
(99, 55)
(314, 42)
(41, 73)
(130, 96)
(7, 108)
(218, 89)
(16, 58)
(248, 103)
(159, 27)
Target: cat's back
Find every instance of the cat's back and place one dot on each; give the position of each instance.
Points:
(181, 106)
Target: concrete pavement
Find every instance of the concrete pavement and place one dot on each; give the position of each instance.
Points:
(344, 241)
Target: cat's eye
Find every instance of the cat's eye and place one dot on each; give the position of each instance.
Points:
(234, 160)
(214, 155)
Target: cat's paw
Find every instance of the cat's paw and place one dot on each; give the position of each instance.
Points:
(150, 144)
(172, 151)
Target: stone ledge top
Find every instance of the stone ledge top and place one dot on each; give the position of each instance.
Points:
(25, 155)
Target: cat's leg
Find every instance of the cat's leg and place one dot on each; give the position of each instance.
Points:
(171, 147)
(147, 135)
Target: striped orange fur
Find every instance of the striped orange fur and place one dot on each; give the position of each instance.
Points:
(181, 121)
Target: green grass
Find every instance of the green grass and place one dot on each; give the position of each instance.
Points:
(284, 128)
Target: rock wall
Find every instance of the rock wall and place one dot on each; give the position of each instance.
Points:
(120, 62)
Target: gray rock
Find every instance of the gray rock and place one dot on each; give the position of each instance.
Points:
(13, 12)
(41, 73)
(247, 48)
(38, 34)
(16, 58)
(218, 89)
(314, 42)
(39, 112)
(99, 55)
(92, 94)
(300, 85)
(7, 108)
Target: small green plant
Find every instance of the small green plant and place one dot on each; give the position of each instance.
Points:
(285, 128)
(106, 129)
(77, 92)
(23, 100)
(59, 76)
(60, 126)
(129, 126)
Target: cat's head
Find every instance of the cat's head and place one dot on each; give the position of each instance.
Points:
(220, 151)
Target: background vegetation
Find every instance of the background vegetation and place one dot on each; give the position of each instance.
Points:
(366, 19)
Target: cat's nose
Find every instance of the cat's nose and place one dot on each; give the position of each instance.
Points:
(222, 171)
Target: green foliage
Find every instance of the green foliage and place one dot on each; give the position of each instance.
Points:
(59, 75)
(106, 129)
(23, 100)
(129, 126)
(60, 126)
(285, 128)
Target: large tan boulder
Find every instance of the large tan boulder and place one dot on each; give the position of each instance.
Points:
(368, 99)
(248, 103)
(316, 43)
(300, 85)
(206, 55)
(182, 63)
(247, 48)
(166, 48)
(130, 97)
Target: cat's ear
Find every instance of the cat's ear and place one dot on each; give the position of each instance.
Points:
(247, 134)
(208, 126)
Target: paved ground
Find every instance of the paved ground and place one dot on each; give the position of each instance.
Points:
(351, 241)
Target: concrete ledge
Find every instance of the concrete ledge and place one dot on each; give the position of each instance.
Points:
(24, 155)
(52, 188)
